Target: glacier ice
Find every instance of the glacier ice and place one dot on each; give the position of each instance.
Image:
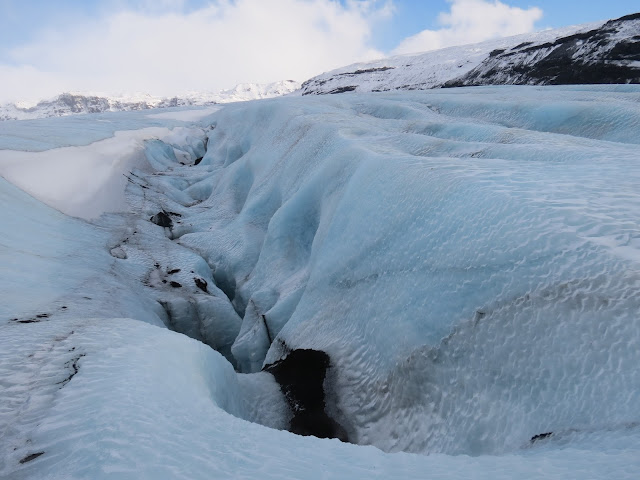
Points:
(467, 259)
(395, 232)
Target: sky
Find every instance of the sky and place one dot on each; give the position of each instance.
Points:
(170, 47)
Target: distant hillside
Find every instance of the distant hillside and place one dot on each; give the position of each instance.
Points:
(78, 103)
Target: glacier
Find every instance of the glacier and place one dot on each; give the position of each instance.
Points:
(467, 259)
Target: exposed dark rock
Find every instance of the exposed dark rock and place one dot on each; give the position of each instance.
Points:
(31, 456)
(366, 70)
(74, 366)
(348, 88)
(198, 160)
(38, 318)
(266, 327)
(632, 16)
(162, 219)
(175, 284)
(201, 283)
(540, 436)
(522, 45)
(175, 270)
(301, 376)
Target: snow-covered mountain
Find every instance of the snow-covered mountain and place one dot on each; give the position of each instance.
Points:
(75, 103)
(592, 53)
(609, 54)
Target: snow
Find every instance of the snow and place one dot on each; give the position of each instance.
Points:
(468, 258)
(80, 130)
(38, 244)
(79, 181)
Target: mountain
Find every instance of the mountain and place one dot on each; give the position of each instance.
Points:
(609, 54)
(591, 53)
(75, 103)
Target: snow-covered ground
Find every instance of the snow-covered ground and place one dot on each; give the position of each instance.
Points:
(469, 259)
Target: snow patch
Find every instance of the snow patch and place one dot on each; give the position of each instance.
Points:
(83, 181)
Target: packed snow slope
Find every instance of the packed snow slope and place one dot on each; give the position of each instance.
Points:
(77, 164)
(468, 260)
(75, 103)
(582, 54)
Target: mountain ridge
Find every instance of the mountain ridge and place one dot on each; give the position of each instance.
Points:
(609, 54)
(71, 103)
(484, 63)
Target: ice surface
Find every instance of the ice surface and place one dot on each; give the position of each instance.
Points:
(186, 115)
(57, 266)
(80, 130)
(133, 411)
(468, 259)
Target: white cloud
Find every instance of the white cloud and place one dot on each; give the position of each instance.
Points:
(165, 50)
(471, 21)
